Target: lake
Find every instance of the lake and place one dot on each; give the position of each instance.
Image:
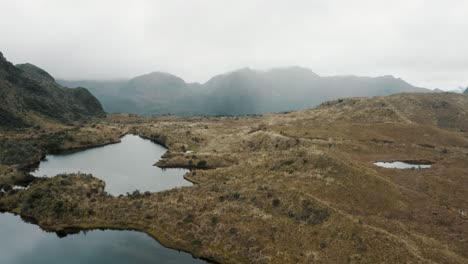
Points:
(402, 165)
(125, 167)
(23, 243)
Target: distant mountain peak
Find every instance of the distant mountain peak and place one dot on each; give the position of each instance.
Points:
(154, 86)
(389, 77)
(466, 91)
(275, 70)
(158, 76)
(245, 70)
(294, 68)
(294, 72)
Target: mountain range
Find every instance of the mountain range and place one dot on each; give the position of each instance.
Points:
(30, 96)
(241, 92)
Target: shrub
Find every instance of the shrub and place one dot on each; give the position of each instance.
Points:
(276, 202)
(202, 163)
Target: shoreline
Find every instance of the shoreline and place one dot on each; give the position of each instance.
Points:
(64, 229)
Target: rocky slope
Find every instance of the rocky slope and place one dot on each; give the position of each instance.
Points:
(297, 187)
(30, 96)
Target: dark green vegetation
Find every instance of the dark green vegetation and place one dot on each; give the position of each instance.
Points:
(30, 96)
(241, 92)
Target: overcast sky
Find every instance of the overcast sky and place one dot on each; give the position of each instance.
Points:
(422, 41)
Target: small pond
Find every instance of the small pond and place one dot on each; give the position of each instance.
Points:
(125, 167)
(402, 165)
(23, 243)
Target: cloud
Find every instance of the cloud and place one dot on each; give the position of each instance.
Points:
(422, 41)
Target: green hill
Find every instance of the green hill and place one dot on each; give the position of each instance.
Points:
(30, 96)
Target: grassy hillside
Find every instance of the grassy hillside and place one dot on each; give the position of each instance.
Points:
(29, 96)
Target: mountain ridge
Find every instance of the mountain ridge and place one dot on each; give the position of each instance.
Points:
(29, 96)
(244, 91)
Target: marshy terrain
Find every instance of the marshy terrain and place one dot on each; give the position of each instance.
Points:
(295, 187)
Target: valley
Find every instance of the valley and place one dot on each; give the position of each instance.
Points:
(295, 187)
(233, 132)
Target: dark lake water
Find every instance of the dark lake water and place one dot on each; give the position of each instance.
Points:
(125, 166)
(23, 243)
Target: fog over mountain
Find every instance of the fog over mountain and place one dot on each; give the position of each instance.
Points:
(422, 42)
(241, 92)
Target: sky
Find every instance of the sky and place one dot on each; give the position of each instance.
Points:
(424, 42)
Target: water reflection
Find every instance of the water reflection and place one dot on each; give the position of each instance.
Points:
(125, 167)
(22, 243)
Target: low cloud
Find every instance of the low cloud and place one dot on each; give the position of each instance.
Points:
(423, 42)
